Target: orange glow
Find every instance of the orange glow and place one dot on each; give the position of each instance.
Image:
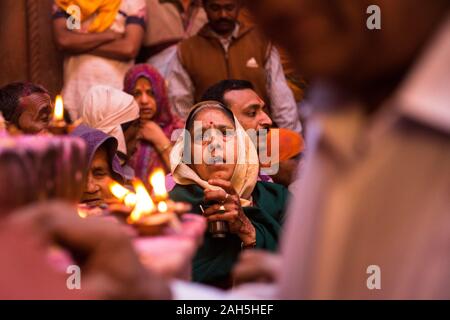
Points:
(130, 200)
(123, 194)
(58, 112)
(162, 206)
(144, 203)
(158, 182)
(118, 191)
(82, 213)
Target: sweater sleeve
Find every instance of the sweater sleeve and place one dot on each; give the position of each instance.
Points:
(181, 88)
(283, 106)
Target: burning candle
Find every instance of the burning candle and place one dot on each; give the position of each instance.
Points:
(58, 125)
(158, 182)
(144, 203)
(58, 112)
(146, 218)
(118, 190)
(130, 200)
(123, 194)
(162, 207)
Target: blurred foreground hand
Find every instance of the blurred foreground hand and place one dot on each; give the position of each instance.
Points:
(257, 266)
(110, 268)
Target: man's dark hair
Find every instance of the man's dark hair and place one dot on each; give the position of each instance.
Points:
(217, 91)
(10, 97)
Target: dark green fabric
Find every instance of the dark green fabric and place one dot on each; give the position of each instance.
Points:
(215, 259)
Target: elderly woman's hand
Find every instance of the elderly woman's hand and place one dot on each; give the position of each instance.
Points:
(234, 215)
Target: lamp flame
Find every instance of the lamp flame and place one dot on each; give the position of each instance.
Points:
(82, 213)
(158, 182)
(58, 112)
(144, 203)
(130, 200)
(162, 207)
(118, 190)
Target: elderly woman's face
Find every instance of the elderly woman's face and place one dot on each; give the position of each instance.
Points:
(96, 189)
(213, 145)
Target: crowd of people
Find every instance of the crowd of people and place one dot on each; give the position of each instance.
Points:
(310, 202)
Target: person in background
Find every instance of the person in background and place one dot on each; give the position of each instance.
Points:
(104, 165)
(104, 47)
(156, 119)
(227, 181)
(294, 79)
(169, 22)
(116, 113)
(248, 108)
(233, 50)
(371, 209)
(27, 106)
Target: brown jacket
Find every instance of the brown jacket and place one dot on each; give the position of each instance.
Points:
(207, 63)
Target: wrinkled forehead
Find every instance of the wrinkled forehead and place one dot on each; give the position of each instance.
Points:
(35, 101)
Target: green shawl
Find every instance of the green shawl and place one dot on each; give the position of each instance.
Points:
(215, 258)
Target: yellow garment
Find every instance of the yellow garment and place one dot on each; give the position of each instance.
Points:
(105, 10)
(245, 173)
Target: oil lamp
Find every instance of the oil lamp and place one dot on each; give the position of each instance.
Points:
(58, 125)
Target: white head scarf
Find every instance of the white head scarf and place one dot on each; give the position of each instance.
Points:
(106, 108)
(245, 173)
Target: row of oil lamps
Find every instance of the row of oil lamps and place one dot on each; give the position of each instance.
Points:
(146, 214)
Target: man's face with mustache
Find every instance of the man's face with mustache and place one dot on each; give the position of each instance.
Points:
(222, 15)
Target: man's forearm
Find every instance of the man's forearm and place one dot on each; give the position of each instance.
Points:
(75, 42)
(125, 48)
(118, 50)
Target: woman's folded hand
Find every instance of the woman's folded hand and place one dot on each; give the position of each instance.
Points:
(152, 132)
(227, 201)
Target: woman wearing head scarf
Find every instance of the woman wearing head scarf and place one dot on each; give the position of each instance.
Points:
(215, 166)
(104, 165)
(157, 121)
(114, 112)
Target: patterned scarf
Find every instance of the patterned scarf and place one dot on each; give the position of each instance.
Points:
(146, 159)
